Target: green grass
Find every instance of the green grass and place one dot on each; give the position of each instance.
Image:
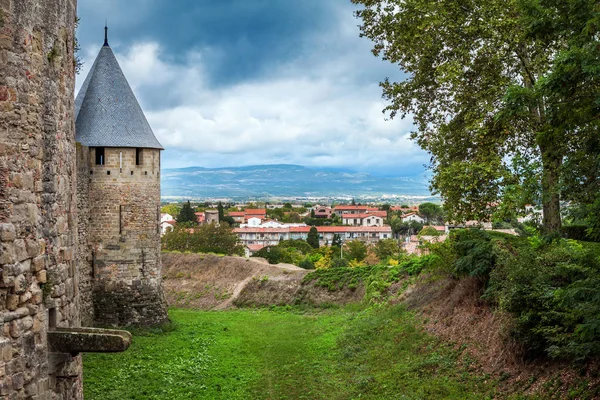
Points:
(284, 353)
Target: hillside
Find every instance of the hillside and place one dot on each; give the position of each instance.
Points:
(284, 181)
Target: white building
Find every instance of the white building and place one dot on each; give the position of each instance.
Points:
(413, 217)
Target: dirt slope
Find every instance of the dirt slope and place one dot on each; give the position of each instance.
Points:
(209, 282)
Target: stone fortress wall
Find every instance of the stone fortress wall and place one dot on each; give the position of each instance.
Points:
(38, 221)
(78, 246)
(123, 236)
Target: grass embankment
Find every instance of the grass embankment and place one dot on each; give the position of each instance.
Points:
(342, 353)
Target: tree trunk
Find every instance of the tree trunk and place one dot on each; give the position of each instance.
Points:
(551, 163)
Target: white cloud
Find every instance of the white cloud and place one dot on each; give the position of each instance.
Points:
(318, 109)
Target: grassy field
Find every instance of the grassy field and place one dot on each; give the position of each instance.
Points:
(344, 353)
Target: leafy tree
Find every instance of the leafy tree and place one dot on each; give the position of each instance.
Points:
(429, 231)
(386, 248)
(355, 250)
(312, 213)
(287, 205)
(431, 211)
(229, 220)
(336, 241)
(208, 238)
(353, 203)
(502, 92)
(313, 237)
(171, 209)
(186, 215)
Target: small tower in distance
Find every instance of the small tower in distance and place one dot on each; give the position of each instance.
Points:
(118, 160)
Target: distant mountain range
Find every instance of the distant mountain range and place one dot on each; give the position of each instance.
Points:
(267, 181)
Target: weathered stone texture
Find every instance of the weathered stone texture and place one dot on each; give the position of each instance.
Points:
(123, 236)
(38, 232)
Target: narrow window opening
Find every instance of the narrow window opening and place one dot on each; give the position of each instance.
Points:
(107, 172)
(52, 322)
(131, 172)
(138, 156)
(145, 172)
(100, 160)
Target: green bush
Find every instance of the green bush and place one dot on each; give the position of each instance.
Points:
(576, 232)
(554, 294)
(474, 252)
(306, 264)
(207, 238)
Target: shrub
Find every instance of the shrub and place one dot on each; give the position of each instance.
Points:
(554, 293)
(208, 238)
(575, 232)
(474, 252)
(429, 231)
(306, 264)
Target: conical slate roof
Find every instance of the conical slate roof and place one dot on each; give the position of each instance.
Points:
(107, 113)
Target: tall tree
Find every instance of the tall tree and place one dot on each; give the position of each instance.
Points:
(313, 237)
(186, 215)
(430, 211)
(501, 92)
(336, 241)
(220, 211)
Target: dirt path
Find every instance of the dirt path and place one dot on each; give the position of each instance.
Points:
(207, 281)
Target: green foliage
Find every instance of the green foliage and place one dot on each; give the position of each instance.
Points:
(337, 240)
(493, 82)
(552, 288)
(431, 212)
(386, 248)
(313, 237)
(208, 238)
(221, 212)
(474, 251)
(404, 228)
(554, 293)
(171, 209)
(355, 250)
(429, 231)
(306, 264)
(342, 277)
(287, 251)
(186, 214)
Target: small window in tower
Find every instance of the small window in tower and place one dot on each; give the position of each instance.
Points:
(100, 160)
(138, 156)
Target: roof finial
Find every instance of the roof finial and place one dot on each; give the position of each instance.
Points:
(106, 33)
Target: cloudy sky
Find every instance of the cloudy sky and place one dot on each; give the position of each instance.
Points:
(238, 82)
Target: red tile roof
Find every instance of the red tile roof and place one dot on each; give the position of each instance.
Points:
(255, 211)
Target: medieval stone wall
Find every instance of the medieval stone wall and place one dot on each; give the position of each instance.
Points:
(38, 231)
(84, 255)
(123, 235)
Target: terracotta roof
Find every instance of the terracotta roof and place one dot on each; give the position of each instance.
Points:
(236, 213)
(254, 247)
(255, 211)
(352, 208)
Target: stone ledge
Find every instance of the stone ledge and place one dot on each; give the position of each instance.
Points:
(88, 340)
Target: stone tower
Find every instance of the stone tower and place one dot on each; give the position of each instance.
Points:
(118, 160)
